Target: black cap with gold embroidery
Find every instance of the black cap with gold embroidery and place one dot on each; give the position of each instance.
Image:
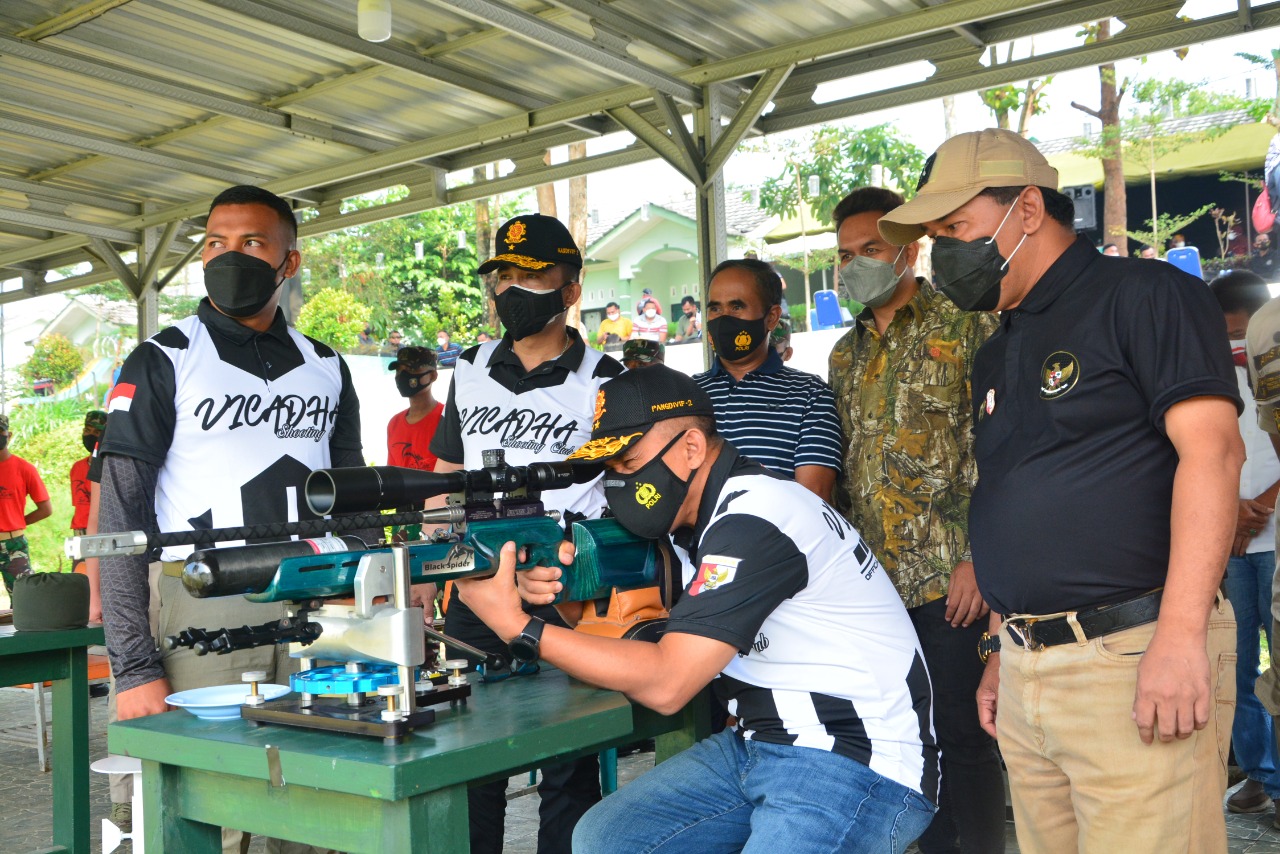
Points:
(629, 406)
(533, 242)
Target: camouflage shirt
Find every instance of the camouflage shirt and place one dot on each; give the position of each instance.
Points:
(905, 405)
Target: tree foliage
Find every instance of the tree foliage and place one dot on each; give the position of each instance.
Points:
(842, 159)
(415, 290)
(334, 317)
(53, 357)
(1167, 224)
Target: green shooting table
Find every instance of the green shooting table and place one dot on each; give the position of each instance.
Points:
(60, 658)
(356, 794)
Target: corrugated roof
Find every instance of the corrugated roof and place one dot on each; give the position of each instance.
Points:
(110, 105)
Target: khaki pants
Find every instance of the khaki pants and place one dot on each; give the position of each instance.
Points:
(1081, 778)
(185, 670)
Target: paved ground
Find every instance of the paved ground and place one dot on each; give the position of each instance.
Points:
(25, 795)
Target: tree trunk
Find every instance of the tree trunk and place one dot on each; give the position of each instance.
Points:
(578, 224)
(949, 126)
(547, 193)
(1115, 208)
(484, 248)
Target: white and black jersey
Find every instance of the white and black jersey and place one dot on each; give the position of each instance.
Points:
(233, 419)
(541, 415)
(827, 656)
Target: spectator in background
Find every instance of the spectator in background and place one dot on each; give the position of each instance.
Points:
(780, 338)
(651, 324)
(394, 341)
(644, 298)
(690, 326)
(447, 352)
(365, 338)
(1111, 249)
(18, 481)
(483, 337)
(641, 353)
(782, 418)
(1263, 260)
(409, 433)
(94, 421)
(1147, 252)
(1251, 567)
(614, 329)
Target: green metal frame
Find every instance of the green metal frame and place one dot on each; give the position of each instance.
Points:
(62, 658)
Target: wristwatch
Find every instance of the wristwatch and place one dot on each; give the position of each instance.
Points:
(524, 646)
(987, 645)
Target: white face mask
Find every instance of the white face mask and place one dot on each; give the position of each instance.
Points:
(613, 315)
(650, 313)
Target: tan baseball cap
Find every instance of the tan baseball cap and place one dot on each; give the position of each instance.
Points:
(959, 170)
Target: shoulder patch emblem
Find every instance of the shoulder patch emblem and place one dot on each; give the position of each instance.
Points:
(715, 571)
(1058, 375)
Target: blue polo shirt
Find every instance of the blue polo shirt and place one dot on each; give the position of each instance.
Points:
(780, 417)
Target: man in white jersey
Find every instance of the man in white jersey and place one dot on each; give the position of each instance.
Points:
(216, 422)
(531, 394)
(787, 615)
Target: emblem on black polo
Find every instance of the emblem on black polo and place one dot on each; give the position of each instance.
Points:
(1058, 375)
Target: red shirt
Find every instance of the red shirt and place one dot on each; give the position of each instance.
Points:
(18, 479)
(80, 493)
(408, 444)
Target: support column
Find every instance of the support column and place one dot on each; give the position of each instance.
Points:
(148, 293)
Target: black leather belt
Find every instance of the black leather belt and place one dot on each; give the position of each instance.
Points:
(1035, 633)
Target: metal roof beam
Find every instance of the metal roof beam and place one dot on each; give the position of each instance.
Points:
(112, 259)
(33, 189)
(213, 102)
(677, 156)
(386, 53)
(65, 225)
(44, 131)
(743, 120)
(71, 18)
(663, 41)
(1171, 34)
(556, 38)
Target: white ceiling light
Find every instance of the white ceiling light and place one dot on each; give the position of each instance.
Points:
(373, 20)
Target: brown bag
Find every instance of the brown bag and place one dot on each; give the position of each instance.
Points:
(635, 614)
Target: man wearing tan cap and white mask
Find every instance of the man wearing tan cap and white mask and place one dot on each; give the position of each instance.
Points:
(1108, 462)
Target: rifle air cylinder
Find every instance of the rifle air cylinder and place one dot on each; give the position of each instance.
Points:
(249, 569)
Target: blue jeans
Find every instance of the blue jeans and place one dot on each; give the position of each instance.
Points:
(1248, 586)
(726, 794)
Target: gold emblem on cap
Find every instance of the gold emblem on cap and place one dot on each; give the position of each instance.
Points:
(595, 418)
(602, 448)
(743, 341)
(516, 233)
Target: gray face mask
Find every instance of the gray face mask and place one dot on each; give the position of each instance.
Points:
(869, 281)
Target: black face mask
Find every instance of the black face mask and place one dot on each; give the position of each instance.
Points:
(4, 442)
(410, 384)
(90, 442)
(969, 272)
(524, 312)
(646, 501)
(241, 285)
(736, 339)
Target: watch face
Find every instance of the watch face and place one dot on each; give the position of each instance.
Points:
(523, 648)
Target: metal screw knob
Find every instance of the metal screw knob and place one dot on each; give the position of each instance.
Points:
(390, 692)
(457, 665)
(253, 677)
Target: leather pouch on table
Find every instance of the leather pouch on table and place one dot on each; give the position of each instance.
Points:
(639, 614)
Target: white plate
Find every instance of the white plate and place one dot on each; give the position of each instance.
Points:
(221, 702)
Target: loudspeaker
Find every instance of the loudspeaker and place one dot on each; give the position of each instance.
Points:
(1086, 210)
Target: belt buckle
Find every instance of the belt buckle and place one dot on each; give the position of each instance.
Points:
(1026, 634)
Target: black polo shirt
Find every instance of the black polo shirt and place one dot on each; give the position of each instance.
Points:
(1075, 473)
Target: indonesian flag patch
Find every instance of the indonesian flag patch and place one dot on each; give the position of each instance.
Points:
(121, 397)
(715, 571)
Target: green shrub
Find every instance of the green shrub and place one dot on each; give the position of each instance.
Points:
(333, 317)
(53, 358)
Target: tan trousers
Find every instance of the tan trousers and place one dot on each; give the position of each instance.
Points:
(1081, 778)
